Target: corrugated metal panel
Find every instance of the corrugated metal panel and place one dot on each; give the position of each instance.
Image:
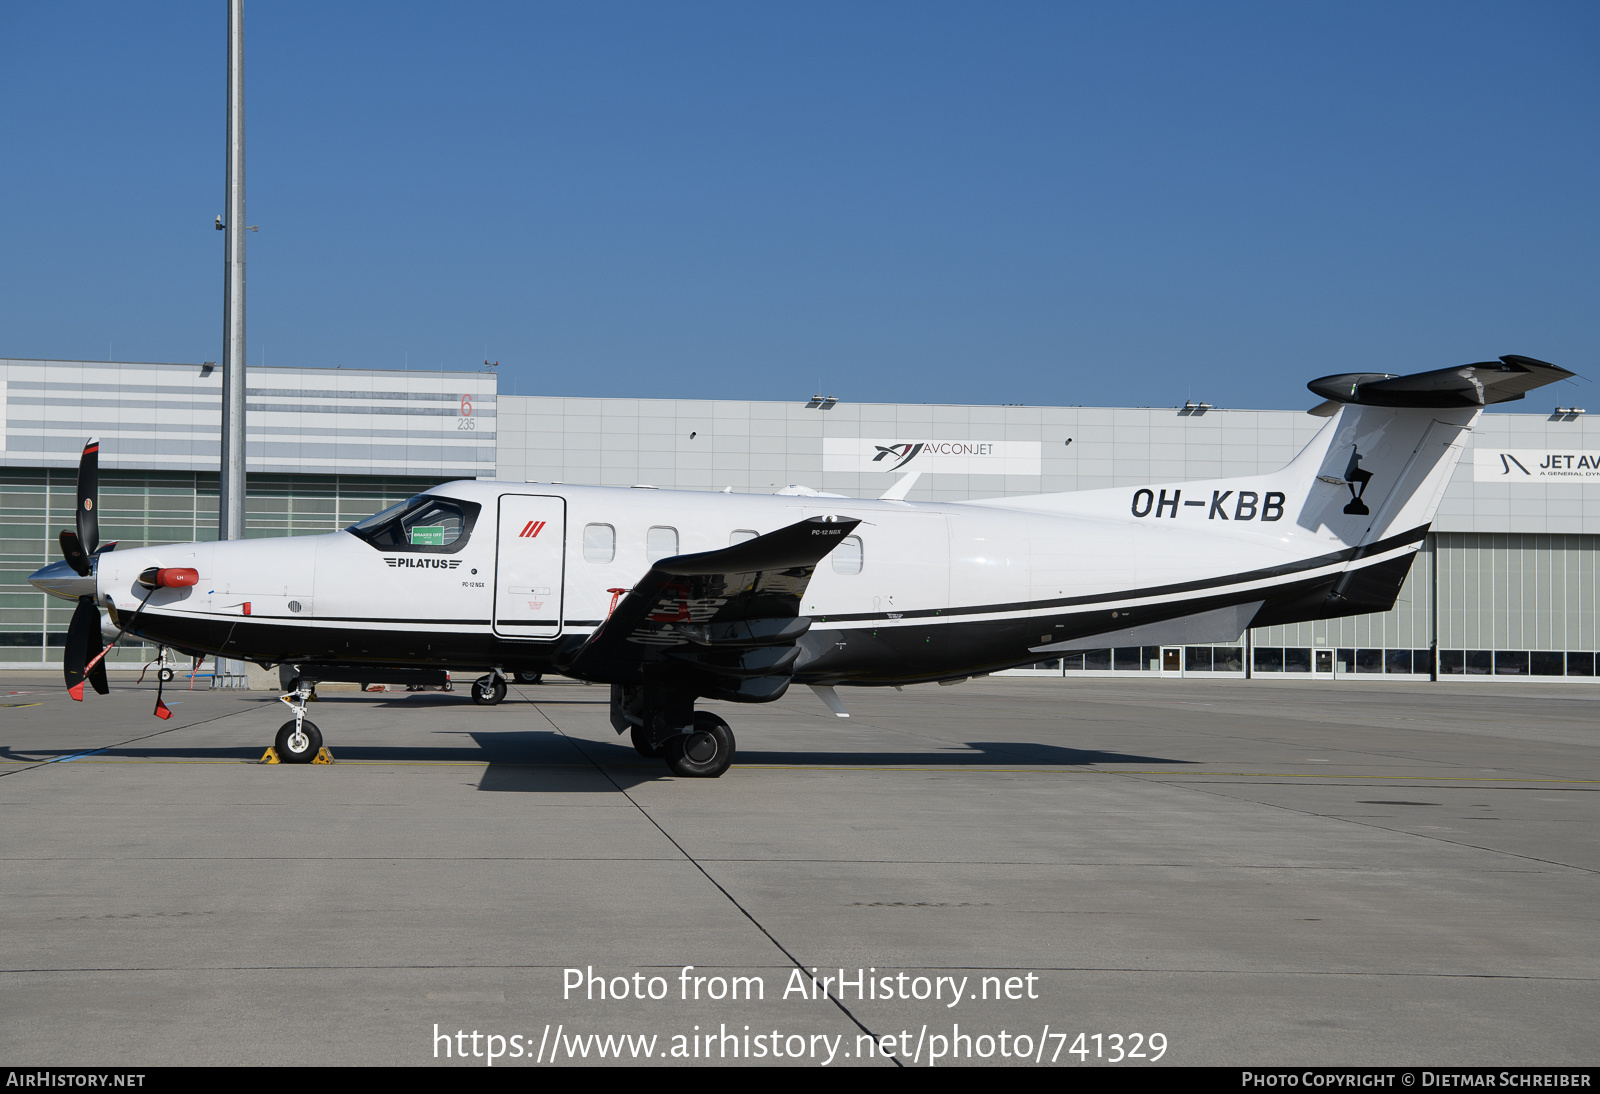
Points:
(1518, 591)
(167, 417)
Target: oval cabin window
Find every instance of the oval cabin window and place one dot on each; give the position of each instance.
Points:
(599, 543)
(847, 556)
(660, 543)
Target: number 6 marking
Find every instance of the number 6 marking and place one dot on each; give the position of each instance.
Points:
(466, 406)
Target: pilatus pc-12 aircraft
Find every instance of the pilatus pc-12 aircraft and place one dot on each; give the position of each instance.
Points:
(673, 596)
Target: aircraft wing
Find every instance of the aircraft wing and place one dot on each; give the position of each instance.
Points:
(725, 622)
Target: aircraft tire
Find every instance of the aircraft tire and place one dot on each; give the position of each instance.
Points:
(704, 753)
(285, 742)
(530, 677)
(165, 675)
(642, 745)
(488, 691)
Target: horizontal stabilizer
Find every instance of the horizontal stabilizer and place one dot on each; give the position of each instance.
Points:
(1479, 384)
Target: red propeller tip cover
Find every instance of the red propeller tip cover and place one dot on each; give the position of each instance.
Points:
(76, 691)
(162, 710)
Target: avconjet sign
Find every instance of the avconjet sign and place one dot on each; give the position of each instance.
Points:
(953, 457)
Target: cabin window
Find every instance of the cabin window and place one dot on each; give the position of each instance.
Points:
(741, 535)
(660, 543)
(599, 543)
(847, 556)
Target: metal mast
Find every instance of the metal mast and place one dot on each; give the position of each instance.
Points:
(230, 500)
(230, 495)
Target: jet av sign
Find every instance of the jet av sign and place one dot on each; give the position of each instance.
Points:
(1535, 466)
(934, 457)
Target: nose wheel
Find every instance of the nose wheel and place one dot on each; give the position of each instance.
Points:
(298, 743)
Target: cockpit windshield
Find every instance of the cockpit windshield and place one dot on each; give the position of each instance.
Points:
(424, 521)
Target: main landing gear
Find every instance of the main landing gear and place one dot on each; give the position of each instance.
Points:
(696, 744)
(298, 740)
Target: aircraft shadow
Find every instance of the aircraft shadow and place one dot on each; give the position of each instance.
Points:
(543, 761)
(414, 700)
(629, 769)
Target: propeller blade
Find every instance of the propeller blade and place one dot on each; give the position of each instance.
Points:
(97, 647)
(81, 645)
(89, 497)
(97, 678)
(73, 552)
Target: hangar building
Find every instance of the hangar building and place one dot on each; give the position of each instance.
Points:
(1505, 586)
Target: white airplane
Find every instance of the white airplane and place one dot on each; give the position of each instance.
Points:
(675, 596)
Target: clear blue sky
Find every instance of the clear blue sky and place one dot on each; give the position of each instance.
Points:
(1121, 204)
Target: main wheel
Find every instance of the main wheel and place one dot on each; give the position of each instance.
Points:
(298, 748)
(166, 675)
(530, 677)
(642, 745)
(703, 753)
(488, 690)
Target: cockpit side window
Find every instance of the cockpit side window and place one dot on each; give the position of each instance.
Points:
(427, 524)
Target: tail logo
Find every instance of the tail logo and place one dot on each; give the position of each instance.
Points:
(1357, 478)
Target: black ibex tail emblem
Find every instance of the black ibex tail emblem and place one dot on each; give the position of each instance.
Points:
(1357, 478)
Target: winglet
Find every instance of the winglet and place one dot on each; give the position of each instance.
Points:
(899, 490)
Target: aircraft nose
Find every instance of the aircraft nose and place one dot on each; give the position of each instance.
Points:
(60, 579)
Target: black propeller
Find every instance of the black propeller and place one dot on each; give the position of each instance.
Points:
(79, 549)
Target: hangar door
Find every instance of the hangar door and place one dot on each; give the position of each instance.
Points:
(530, 553)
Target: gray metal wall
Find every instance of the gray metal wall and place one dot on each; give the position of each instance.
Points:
(167, 417)
(760, 446)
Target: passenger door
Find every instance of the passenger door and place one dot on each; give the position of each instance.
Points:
(530, 566)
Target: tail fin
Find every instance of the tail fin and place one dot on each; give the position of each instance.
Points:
(1393, 443)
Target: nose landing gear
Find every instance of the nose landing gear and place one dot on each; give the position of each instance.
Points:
(299, 741)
